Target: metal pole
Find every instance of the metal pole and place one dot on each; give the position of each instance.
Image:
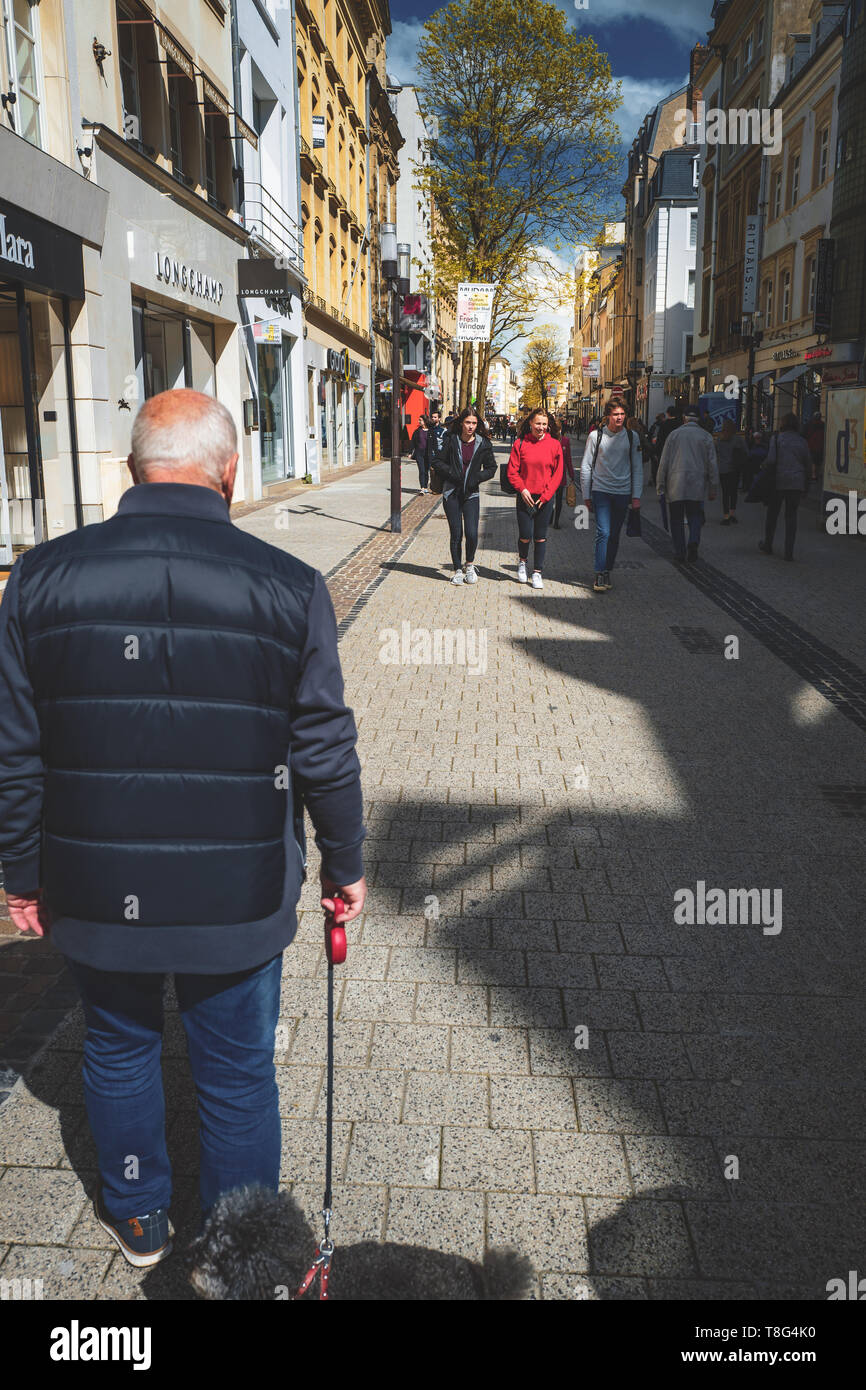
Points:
(396, 481)
(749, 383)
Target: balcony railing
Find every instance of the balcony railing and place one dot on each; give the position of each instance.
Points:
(267, 219)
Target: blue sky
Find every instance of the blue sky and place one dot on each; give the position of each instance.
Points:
(648, 44)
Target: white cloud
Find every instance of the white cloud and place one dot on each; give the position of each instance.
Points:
(639, 96)
(402, 48)
(688, 20)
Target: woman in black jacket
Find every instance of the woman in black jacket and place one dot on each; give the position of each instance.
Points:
(464, 461)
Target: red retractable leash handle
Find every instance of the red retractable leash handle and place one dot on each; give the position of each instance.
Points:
(335, 949)
(335, 934)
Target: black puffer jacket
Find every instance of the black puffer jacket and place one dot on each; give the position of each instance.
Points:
(449, 463)
(170, 698)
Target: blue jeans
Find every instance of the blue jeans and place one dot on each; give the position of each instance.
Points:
(230, 1023)
(611, 510)
(678, 512)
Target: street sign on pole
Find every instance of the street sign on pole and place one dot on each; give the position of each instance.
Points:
(750, 266)
(474, 311)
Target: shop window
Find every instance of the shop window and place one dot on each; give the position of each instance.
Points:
(809, 286)
(21, 18)
(172, 351)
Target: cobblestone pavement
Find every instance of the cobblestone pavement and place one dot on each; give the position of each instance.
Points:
(529, 1047)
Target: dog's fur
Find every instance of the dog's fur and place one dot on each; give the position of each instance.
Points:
(257, 1244)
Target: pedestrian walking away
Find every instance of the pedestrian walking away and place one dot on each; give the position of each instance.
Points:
(688, 473)
(535, 472)
(419, 453)
(611, 480)
(156, 669)
(730, 457)
(667, 425)
(464, 461)
(568, 478)
(791, 462)
(756, 457)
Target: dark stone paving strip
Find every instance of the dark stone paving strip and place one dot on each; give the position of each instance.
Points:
(835, 677)
(367, 567)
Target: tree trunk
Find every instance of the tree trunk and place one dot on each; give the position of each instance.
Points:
(466, 376)
(483, 373)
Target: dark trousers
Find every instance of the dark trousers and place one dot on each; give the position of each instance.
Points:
(558, 498)
(679, 512)
(728, 485)
(423, 471)
(791, 498)
(230, 1024)
(462, 517)
(532, 526)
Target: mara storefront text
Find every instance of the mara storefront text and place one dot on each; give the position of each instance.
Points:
(41, 276)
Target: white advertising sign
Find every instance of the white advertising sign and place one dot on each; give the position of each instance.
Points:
(590, 361)
(474, 309)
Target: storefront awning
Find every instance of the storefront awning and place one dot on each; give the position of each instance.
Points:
(793, 373)
(383, 354)
(762, 376)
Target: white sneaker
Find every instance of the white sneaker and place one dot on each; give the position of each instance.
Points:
(471, 575)
(457, 577)
(537, 581)
(521, 572)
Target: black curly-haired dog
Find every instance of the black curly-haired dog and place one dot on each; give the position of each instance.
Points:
(258, 1244)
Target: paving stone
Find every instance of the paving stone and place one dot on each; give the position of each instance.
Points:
(404, 1154)
(423, 964)
(374, 1000)
(640, 1237)
(610, 1106)
(364, 1095)
(451, 1222)
(580, 1163)
(453, 1099)
(303, 1149)
(541, 1102)
(64, 1274)
(551, 1231)
(659, 1055)
(490, 1050)
(410, 1046)
(597, 1008)
(564, 1287)
(351, 1042)
(30, 1134)
(446, 1003)
(683, 1167)
(483, 967)
(39, 1205)
(358, 1211)
(552, 1052)
(515, 1006)
(700, 1291)
(487, 1160)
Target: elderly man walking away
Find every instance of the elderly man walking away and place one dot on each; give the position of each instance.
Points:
(688, 471)
(172, 701)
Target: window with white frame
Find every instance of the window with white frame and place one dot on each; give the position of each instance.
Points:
(747, 53)
(786, 295)
(824, 154)
(768, 304)
(811, 274)
(21, 21)
(693, 229)
(690, 291)
(759, 35)
(777, 195)
(795, 180)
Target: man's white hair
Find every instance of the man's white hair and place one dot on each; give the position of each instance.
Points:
(183, 429)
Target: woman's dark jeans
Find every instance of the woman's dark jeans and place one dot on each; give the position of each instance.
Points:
(230, 1023)
(728, 483)
(790, 497)
(462, 516)
(532, 526)
(423, 471)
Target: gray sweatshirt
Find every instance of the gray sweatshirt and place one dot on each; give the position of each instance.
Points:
(615, 470)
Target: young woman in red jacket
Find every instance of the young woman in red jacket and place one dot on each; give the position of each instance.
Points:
(535, 472)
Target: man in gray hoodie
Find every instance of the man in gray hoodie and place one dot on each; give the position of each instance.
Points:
(688, 472)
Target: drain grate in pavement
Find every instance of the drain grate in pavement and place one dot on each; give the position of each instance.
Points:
(697, 639)
(847, 799)
(835, 677)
